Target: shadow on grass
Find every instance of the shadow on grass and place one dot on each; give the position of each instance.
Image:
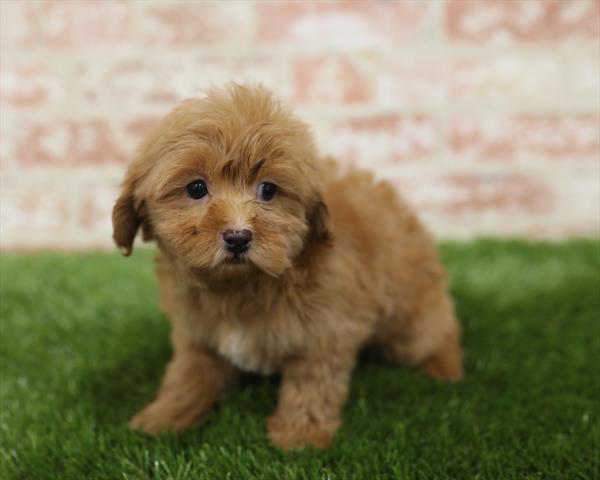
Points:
(118, 387)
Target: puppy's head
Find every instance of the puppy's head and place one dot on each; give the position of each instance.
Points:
(226, 185)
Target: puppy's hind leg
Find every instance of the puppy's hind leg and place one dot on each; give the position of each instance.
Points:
(430, 341)
(193, 382)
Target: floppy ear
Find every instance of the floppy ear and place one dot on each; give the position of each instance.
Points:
(318, 220)
(126, 220)
(129, 213)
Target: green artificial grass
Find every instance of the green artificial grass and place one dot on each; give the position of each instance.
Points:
(83, 347)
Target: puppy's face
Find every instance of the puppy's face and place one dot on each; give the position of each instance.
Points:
(226, 185)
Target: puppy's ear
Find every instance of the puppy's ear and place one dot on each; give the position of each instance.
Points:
(127, 216)
(318, 220)
(126, 220)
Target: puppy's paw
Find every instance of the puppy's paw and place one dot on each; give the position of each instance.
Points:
(160, 417)
(445, 365)
(297, 434)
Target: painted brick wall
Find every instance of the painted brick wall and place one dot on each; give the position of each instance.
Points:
(484, 113)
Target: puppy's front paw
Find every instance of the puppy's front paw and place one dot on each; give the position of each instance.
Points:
(445, 364)
(295, 434)
(161, 416)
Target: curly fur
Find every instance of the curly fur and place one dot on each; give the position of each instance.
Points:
(338, 261)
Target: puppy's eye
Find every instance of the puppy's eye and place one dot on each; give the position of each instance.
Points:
(197, 189)
(266, 191)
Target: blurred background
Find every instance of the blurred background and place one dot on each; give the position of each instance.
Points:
(484, 113)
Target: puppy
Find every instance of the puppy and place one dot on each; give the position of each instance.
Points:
(271, 260)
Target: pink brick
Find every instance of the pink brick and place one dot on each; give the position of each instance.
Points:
(508, 193)
(545, 137)
(75, 23)
(413, 81)
(23, 212)
(499, 20)
(164, 82)
(330, 79)
(96, 205)
(131, 81)
(195, 23)
(468, 193)
(6, 148)
(28, 85)
(140, 127)
(346, 23)
(18, 24)
(68, 143)
(384, 139)
(577, 20)
(135, 131)
(522, 20)
(507, 79)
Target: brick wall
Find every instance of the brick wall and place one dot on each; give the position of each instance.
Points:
(485, 113)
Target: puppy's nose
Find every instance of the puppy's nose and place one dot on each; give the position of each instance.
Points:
(237, 241)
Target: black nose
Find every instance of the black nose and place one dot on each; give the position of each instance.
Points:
(237, 241)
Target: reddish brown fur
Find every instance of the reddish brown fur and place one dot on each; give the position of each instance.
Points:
(338, 261)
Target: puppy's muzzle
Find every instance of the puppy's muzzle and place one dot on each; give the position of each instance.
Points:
(237, 241)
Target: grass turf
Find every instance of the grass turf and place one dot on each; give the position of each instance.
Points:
(83, 346)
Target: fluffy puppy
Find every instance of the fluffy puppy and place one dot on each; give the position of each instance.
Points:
(272, 260)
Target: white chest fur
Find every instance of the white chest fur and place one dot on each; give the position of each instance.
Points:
(248, 350)
(238, 347)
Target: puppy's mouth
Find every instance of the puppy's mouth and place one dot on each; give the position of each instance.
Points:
(236, 259)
